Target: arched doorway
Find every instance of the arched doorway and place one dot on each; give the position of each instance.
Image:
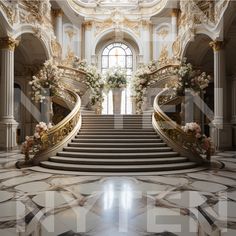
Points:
(29, 56)
(200, 54)
(118, 54)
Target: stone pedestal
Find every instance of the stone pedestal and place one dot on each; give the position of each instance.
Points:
(234, 135)
(117, 94)
(47, 110)
(222, 136)
(8, 125)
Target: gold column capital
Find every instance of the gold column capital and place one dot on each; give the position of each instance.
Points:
(175, 12)
(146, 23)
(217, 45)
(8, 43)
(88, 24)
(57, 12)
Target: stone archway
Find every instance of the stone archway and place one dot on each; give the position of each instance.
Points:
(18, 57)
(30, 54)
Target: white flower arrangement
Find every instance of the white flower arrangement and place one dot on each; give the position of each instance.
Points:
(93, 80)
(205, 143)
(140, 82)
(47, 82)
(115, 78)
(190, 78)
(33, 143)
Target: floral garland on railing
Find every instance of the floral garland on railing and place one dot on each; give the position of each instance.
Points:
(47, 82)
(205, 143)
(189, 78)
(115, 78)
(140, 82)
(33, 144)
(93, 80)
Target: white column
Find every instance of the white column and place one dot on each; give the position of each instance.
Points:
(58, 14)
(79, 37)
(146, 38)
(221, 129)
(174, 23)
(8, 125)
(88, 36)
(233, 119)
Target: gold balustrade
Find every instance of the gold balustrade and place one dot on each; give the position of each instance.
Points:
(169, 130)
(59, 135)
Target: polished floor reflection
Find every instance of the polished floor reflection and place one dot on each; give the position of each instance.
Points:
(36, 203)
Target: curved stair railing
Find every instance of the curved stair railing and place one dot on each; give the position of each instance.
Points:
(59, 135)
(74, 78)
(169, 130)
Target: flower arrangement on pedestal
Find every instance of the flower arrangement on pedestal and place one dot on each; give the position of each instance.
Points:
(33, 143)
(190, 79)
(115, 78)
(47, 82)
(204, 143)
(140, 82)
(139, 86)
(93, 81)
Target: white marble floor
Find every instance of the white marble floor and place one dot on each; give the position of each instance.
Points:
(41, 204)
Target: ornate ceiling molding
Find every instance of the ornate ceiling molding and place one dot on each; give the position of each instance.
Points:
(133, 8)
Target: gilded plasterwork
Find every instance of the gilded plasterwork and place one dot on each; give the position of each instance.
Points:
(163, 33)
(164, 53)
(176, 47)
(7, 10)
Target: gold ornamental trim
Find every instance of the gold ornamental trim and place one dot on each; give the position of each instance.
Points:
(217, 45)
(175, 12)
(8, 43)
(57, 12)
(88, 25)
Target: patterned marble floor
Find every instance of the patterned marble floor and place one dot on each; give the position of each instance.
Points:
(41, 204)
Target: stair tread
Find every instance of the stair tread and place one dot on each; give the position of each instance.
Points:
(117, 140)
(156, 154)
(167, 159)
(121, 149)
(117, 135)
(117, 144)
(112, 167)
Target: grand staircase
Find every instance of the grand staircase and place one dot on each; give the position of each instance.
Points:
(117, 144)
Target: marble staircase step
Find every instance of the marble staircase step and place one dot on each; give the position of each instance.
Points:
(117, 155)
(116, 145)
(118, 168)
(118, 136)
(117, 150)
(78, 139)
(115, 132)
(118, 161)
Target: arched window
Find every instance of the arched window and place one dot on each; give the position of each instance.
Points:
(118, 55)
